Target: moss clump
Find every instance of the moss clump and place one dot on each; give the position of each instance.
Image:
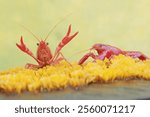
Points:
(63, 75)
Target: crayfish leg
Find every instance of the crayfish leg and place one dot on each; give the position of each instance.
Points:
(85, 57)
(32, 66)
(59, 57)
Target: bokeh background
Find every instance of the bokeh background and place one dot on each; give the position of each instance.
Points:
(122, 23)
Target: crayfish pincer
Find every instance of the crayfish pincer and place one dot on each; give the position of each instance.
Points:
(108, 51)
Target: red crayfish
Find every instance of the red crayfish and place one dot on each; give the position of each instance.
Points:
(44, 54)
(108, 51)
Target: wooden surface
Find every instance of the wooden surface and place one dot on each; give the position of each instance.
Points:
(133, 89)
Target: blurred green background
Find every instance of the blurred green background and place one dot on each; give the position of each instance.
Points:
(124, 24)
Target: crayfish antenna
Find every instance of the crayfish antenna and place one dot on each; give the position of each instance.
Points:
(79, 52)
(83, 51)
(30, 32)
(56, 26)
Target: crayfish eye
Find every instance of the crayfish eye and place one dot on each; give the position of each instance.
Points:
(47, 43)
(37, 44)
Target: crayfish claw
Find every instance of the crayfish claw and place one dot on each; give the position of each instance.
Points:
(69, 30)
(22, 45)
(74, 35)
(21, 41)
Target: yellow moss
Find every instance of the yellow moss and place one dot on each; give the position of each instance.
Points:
(63, 75)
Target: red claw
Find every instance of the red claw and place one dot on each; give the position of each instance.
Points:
(69, 30)
(65, 40)
(23, 48)
(22, 45)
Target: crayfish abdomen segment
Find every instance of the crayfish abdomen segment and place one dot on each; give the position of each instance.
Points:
(136, 54)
